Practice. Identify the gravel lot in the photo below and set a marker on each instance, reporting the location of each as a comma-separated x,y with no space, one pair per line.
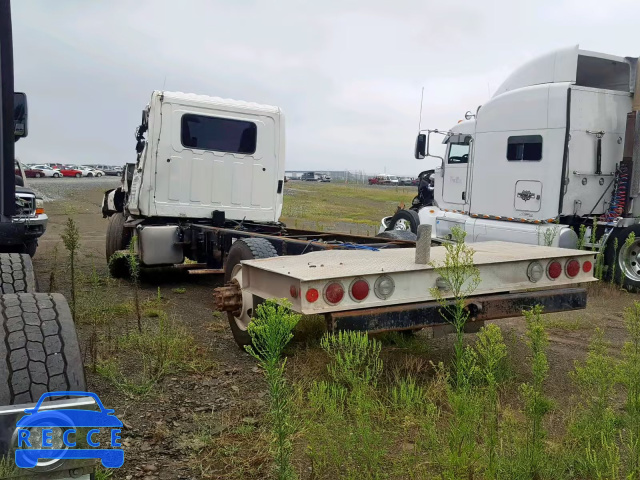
52,189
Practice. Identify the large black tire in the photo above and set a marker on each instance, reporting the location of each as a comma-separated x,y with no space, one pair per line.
39,349
118,238
398,235
245,249
16,272
404,220
625,259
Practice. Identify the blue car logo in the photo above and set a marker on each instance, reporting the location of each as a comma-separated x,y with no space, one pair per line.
56,434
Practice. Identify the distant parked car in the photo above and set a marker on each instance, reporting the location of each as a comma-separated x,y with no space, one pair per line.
71,172
325,178
85,171
48,171
112,171
29,172
384,179
93,172
406,181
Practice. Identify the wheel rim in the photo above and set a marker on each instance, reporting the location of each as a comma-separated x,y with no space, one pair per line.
629,260
402,225
244,319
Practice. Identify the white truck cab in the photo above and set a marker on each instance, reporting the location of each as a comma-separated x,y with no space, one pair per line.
206,153
553,149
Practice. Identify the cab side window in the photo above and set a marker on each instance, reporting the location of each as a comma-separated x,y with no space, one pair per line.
218,134
458,153
524,147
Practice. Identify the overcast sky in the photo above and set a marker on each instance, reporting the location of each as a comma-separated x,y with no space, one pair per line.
347,74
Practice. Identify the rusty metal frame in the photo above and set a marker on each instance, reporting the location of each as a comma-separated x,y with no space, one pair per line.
488,307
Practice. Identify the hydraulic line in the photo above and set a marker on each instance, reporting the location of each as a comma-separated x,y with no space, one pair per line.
618,194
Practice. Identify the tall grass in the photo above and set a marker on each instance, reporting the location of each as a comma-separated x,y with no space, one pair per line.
271,331
594,429
492,353
461,278
629,376
71,239
536,404
344,426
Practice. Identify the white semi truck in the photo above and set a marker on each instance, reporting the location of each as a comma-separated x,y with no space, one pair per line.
207,185
554,152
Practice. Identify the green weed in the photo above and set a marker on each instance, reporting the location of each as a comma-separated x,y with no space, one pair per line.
71,239
461,278
536,404
594,430
271,331
629,375
581,236
492,353
355,358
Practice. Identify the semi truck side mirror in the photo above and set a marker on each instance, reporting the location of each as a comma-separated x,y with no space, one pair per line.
421,146
20,115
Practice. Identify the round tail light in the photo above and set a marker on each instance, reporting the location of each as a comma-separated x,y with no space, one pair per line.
384,287
586,266
572,268
535,270
312,295
554,270
333,293
359,289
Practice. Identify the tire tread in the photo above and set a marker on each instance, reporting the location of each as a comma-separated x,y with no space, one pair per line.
39,349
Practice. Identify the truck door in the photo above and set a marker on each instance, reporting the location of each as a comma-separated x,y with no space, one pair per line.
216,160
454,185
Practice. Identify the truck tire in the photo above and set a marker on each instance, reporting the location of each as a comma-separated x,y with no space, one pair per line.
626,259
404,220
245,249
118,238
17,274
39,349
398,235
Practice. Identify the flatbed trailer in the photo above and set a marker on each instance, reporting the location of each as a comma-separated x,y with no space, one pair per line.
385,289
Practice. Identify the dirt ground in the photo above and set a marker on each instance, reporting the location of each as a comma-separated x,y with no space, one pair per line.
232,392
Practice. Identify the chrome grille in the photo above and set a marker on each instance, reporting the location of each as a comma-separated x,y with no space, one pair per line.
25,205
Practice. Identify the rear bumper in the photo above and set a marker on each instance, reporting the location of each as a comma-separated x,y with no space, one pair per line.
486,307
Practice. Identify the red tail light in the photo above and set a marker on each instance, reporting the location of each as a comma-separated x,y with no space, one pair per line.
572,268
359,290
586,266
554,270
333,293
312,295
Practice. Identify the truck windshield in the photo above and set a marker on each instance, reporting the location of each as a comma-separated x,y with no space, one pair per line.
458,153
